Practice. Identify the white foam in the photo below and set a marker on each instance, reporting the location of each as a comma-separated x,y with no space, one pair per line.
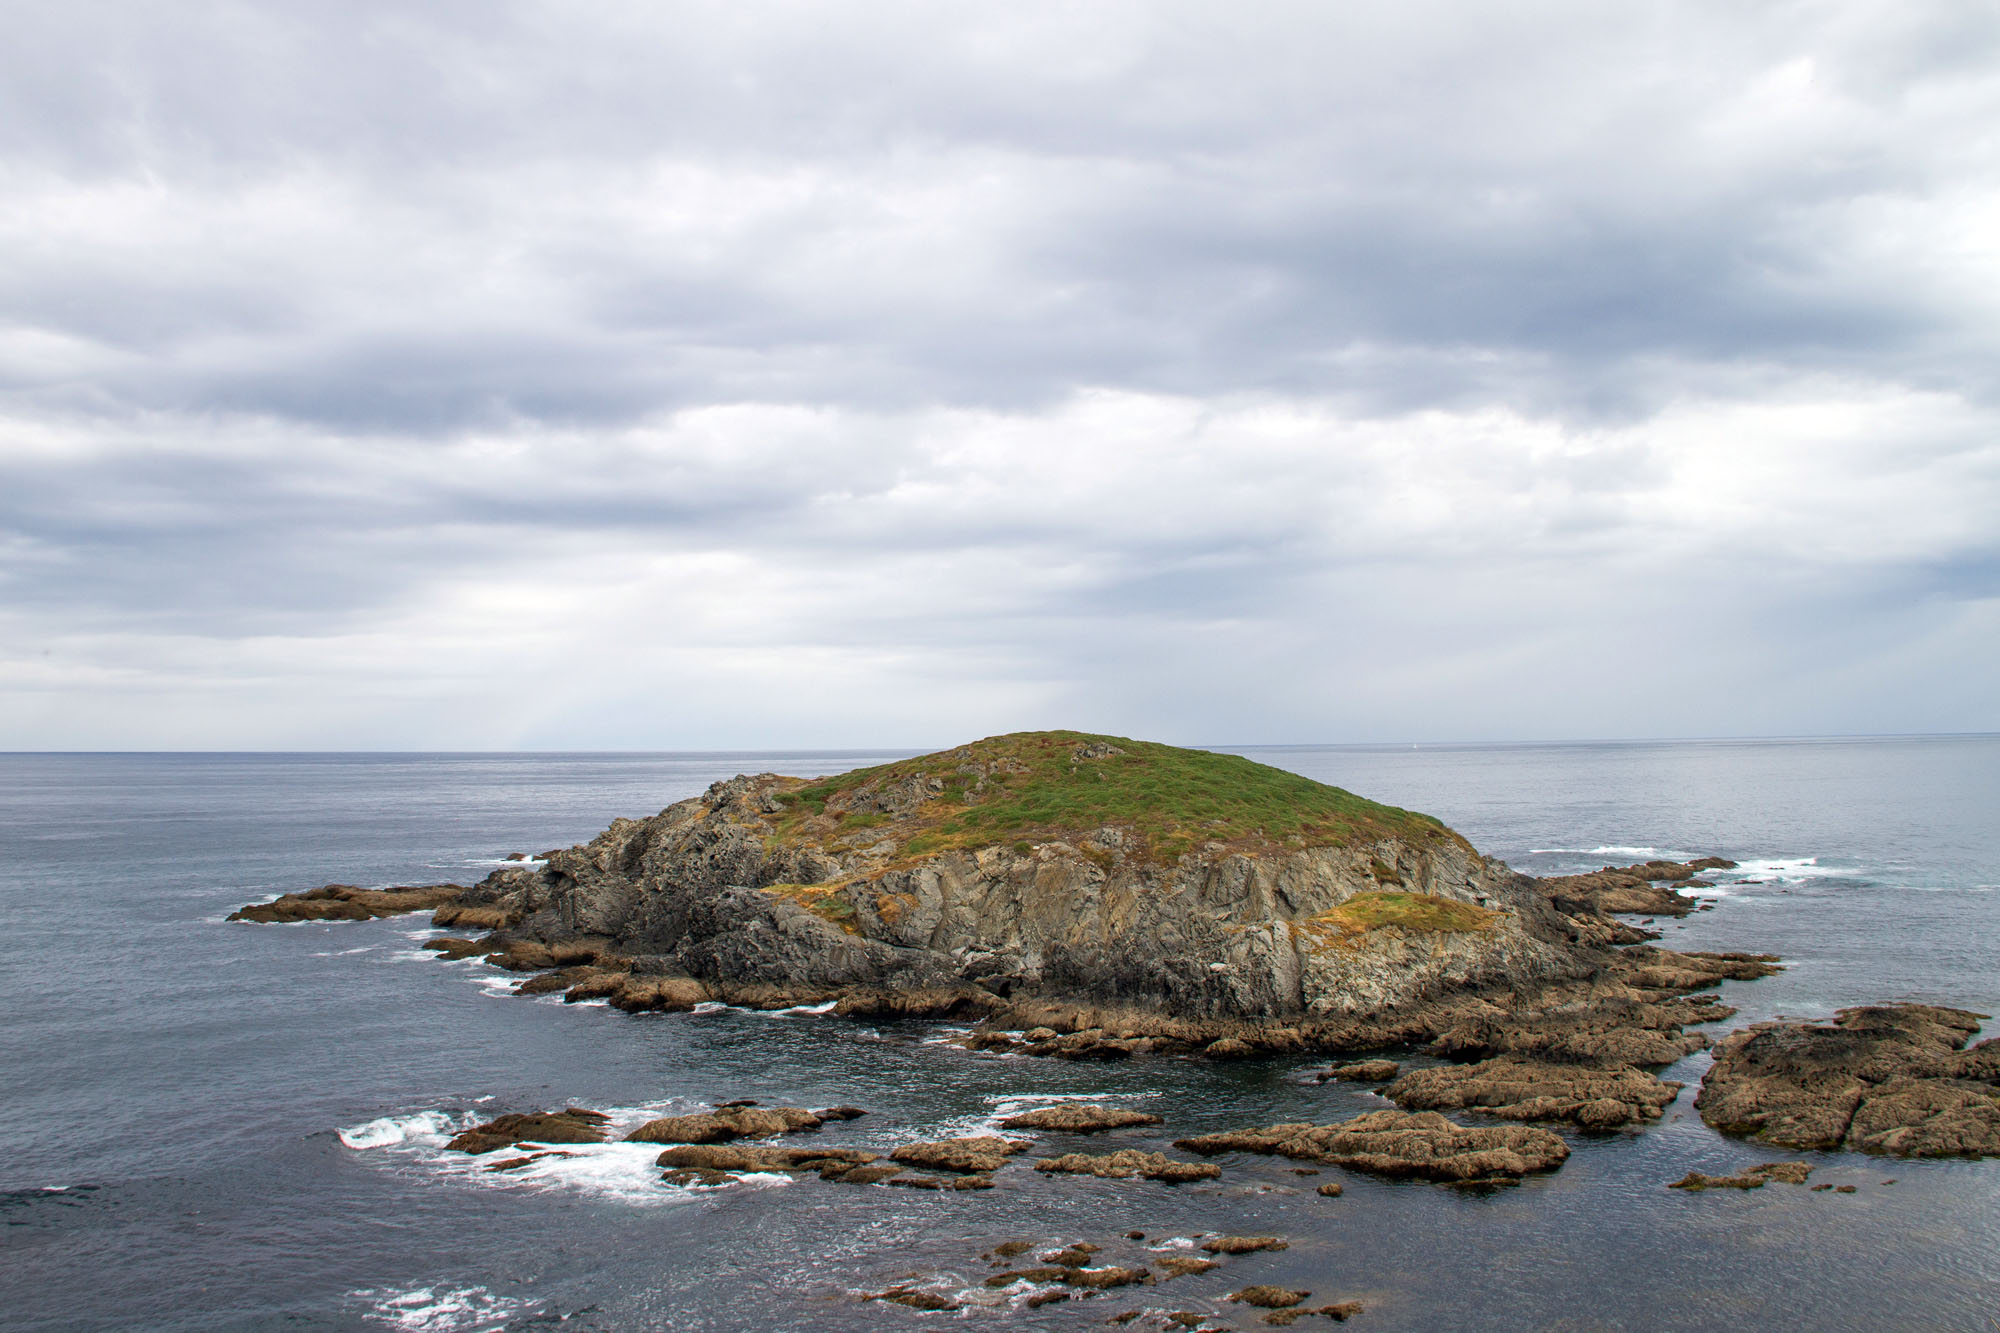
710,1007
432,1127
624,1172
796,1009
1784,870
1596,851
442,1309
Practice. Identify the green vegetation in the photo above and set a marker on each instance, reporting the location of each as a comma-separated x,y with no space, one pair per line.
1027,787
1411,911
822,900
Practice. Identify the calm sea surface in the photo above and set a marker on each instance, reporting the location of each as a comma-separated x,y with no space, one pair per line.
213,1126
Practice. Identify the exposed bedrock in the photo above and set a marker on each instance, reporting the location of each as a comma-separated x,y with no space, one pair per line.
1644,889
345,902
1422,1144
1517,1089
571,1125
1079,1118
1128,1163
1891,1079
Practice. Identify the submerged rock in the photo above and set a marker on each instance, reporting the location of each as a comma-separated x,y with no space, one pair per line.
1755,1178
1339,1312
1421,1144
915,1299
1891,1079
1244,1244
690,1176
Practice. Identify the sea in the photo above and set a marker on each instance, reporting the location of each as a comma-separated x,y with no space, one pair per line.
219,1126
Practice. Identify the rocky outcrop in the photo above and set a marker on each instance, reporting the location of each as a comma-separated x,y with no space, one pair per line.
1644,890
831,1162
1518,1089
571,1125
345,902
1754,1178
1423,1145
1079,1118
1891,1079
979,1154
721,1126
1362,1071
1128,1163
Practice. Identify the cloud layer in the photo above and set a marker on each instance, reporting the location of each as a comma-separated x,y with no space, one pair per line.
508,375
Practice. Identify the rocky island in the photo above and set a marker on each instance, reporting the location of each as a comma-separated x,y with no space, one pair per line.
1095,897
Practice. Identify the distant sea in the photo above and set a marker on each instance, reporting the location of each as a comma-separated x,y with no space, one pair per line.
215,1126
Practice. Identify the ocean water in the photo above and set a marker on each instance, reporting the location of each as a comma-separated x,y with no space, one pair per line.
220,1126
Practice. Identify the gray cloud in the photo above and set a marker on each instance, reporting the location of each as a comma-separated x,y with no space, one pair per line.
1051,363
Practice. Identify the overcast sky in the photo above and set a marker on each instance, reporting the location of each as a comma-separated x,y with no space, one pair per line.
515,375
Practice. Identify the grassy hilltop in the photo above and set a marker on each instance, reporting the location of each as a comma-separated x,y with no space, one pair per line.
1042,786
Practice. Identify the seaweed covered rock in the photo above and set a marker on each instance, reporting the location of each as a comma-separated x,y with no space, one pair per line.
1423,1145
1362,1071
1127,1163
1079,1118
1753,1178
762,1157
976,1154
1518,1089
1891,1079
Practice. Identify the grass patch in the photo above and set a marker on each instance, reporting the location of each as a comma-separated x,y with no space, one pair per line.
1040,786
1411,911
822,900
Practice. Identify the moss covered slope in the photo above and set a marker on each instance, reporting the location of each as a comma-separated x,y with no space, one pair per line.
1039,786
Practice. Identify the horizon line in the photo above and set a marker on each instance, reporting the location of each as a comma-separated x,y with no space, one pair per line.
1798,738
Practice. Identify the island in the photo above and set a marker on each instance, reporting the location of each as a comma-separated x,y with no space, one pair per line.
1080,896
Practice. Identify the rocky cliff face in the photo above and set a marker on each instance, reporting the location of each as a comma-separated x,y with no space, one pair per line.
1046,869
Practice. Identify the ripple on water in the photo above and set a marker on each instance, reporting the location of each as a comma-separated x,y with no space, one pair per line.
442,1309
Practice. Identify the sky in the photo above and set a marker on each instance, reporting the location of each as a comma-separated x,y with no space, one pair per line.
490,375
